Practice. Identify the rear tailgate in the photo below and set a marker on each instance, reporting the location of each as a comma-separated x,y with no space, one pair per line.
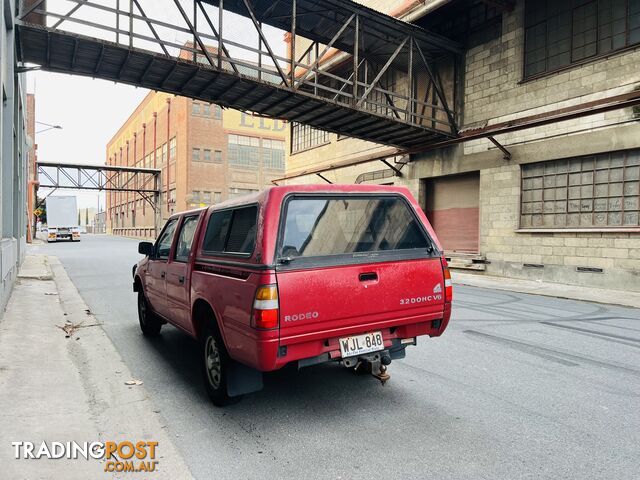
352,263
329,300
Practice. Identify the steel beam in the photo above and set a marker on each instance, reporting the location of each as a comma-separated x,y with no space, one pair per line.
265,41
328,46
381,72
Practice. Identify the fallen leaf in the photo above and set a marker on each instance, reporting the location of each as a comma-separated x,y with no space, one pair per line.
70,328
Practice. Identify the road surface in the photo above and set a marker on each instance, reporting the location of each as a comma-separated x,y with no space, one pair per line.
519,386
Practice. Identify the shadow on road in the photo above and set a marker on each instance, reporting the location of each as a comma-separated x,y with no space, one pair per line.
323,388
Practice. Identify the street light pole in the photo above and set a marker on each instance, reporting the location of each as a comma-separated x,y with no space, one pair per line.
33,184
49,127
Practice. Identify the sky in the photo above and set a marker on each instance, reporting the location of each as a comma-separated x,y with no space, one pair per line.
90,110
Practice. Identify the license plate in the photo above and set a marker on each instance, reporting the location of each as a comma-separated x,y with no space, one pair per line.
359,344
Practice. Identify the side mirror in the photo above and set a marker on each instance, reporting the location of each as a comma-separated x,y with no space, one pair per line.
146,248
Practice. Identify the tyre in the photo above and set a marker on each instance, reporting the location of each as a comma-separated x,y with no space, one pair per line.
215,368
150,324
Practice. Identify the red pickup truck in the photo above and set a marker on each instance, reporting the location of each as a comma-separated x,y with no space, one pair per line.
296,274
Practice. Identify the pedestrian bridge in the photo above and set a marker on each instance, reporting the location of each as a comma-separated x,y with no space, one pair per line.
352,71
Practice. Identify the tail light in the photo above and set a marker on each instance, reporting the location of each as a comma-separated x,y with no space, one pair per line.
448,286
265,307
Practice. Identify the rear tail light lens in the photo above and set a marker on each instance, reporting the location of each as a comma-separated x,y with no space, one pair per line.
265,307
448,286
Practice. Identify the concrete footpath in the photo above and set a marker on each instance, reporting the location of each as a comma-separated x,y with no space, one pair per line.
61,380
573,292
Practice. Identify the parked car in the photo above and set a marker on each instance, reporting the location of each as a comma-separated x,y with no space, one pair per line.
296,274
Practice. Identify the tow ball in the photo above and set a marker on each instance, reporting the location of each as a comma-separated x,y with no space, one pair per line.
380,370
382,375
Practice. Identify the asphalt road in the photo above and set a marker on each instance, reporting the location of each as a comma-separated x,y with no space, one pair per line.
519,386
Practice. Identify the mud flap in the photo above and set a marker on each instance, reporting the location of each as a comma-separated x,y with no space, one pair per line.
242,379
398,353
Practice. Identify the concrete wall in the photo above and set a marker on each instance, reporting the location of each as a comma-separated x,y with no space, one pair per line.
495,93
509,252
13,155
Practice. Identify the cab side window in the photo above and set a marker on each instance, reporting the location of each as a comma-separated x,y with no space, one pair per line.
185,239
163,246
232,231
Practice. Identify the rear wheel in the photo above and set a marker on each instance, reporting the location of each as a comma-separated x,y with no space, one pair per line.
150,324
215,367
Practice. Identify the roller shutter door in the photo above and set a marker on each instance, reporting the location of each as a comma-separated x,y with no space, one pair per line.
453,207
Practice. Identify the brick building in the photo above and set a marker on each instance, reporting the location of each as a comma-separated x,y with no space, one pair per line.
565,207
31,165
206,155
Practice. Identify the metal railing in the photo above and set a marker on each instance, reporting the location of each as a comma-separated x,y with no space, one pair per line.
197,31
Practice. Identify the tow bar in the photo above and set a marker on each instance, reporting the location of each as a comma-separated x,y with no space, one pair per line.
375,363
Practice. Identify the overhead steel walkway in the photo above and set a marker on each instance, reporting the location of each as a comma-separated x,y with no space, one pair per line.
353,71
142,181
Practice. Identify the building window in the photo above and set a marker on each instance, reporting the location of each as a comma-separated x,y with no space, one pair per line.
244,151
206,198
217,197
217,156
217,112
273,154
236,192
559,33
304,137
172,149
600,191
207,155
195,108
164,154
206,109
195,154
195,197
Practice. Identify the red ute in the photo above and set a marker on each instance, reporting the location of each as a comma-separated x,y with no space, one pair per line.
304,274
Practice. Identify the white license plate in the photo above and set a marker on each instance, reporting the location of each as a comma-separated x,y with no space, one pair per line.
359,344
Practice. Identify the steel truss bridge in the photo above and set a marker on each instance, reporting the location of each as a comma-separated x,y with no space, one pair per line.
142,181
353,71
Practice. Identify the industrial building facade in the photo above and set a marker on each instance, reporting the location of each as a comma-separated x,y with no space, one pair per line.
206,155
15,147
560,202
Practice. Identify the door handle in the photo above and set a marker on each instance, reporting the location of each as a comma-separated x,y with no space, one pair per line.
162,275
181,280
368,277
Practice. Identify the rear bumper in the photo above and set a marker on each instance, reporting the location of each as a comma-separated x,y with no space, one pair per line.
272,353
